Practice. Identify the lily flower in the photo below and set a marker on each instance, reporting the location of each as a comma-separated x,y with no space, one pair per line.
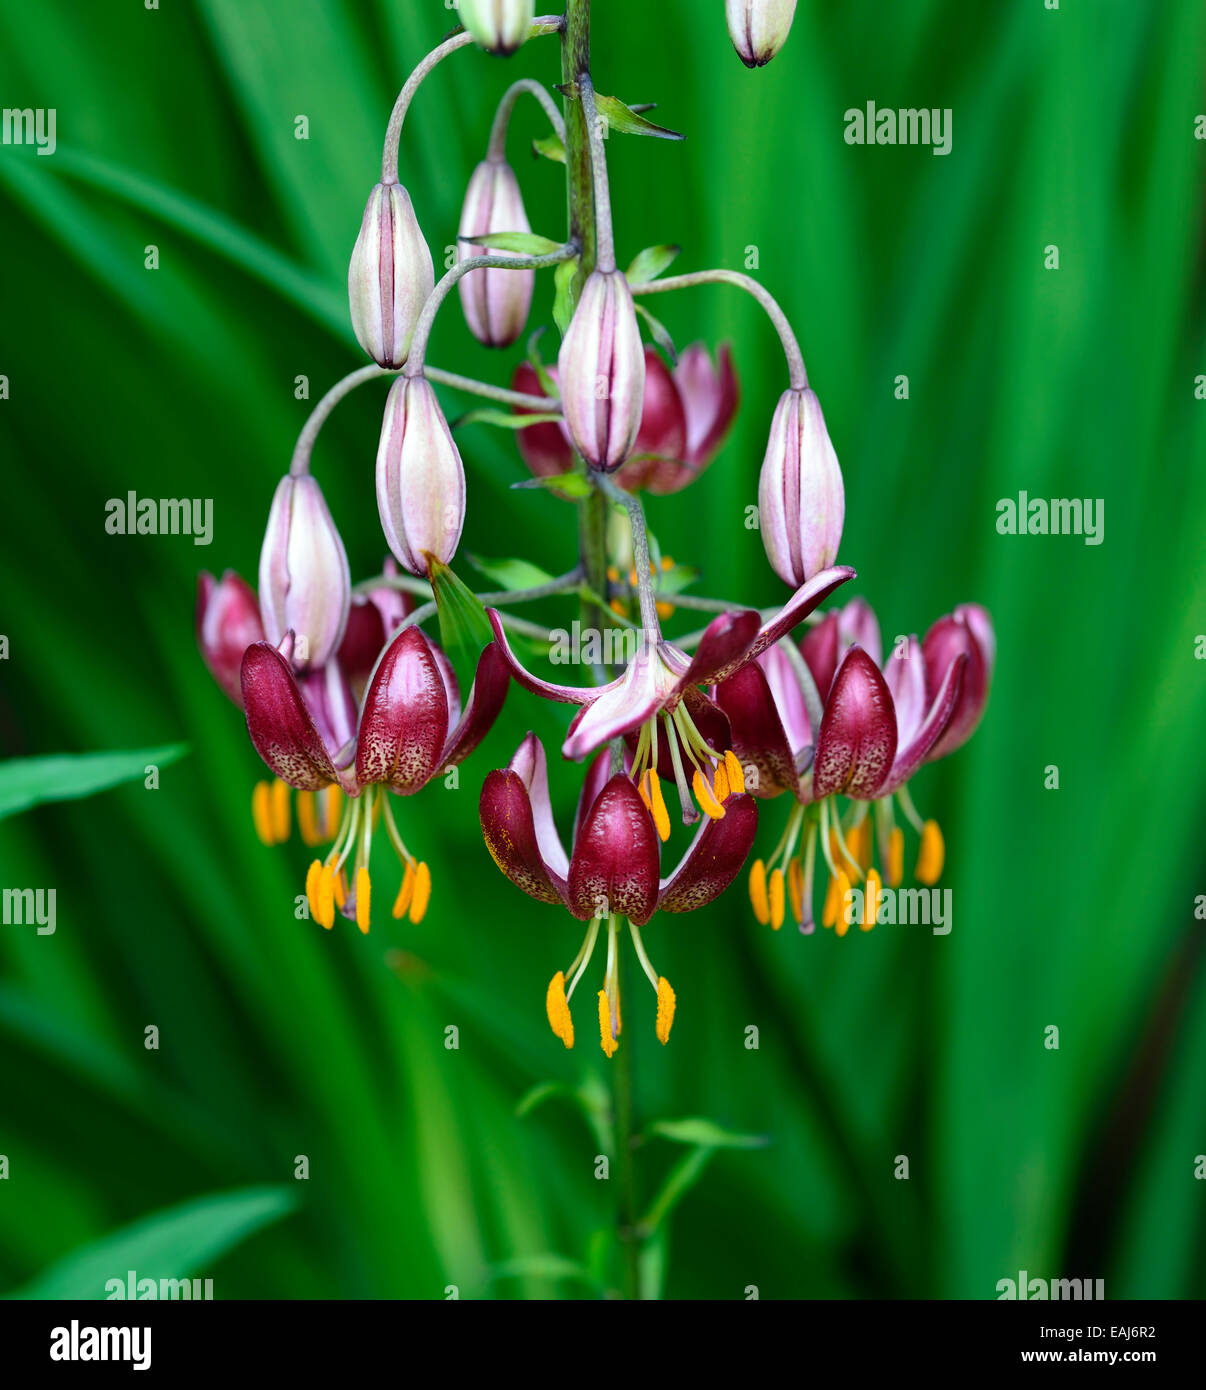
674,729
613,871
877,728
410,728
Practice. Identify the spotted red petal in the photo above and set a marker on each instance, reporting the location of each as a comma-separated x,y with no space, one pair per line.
487,696
404,723
280,726
714,859
510,835
614,867
759,739
856,744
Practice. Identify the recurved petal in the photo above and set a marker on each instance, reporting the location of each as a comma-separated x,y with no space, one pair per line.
404,724
531,765
510,836
486,699
548,690
857,740
905,673
614,867
759,739
622,706
714,859
724,646
910,756
279,723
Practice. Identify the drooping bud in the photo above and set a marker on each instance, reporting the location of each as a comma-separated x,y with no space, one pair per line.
801,499
228,622
390,275
498,26
420,477
602,372
305,584
496,302
759,28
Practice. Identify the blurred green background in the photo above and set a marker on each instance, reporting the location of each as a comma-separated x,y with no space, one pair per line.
1074,908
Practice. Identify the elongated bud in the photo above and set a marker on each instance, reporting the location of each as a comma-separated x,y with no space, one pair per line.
420,477
602,372
228,622
496,302
390,275
759,28
498,26
801,499
305,585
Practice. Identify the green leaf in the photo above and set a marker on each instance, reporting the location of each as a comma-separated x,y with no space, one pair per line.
522,243
629,122
464,628
175,1243
649,264
571,484
546,1266
661,334
511,574
563,302
26,782
550,148
544,1090
505,420
698,1130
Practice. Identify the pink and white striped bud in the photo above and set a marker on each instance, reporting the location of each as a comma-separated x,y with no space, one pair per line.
420,477
759,28
305,584
801,499
498,26
601,368
496,302
390,276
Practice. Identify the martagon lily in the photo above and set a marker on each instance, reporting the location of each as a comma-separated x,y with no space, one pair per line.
673,728
410,728
613,871
877,729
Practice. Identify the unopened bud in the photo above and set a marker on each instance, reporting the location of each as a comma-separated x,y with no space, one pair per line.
228,622
305,585
602,372
801,499
759,28
498,26
420,477
496,302
390,275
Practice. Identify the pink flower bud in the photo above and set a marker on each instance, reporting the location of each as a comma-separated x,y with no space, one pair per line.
228,622
801,500
602,372
420,477
305,585
759,28
390,276
496,302
498,26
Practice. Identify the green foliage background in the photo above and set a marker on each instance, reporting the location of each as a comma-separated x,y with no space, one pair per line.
1072,907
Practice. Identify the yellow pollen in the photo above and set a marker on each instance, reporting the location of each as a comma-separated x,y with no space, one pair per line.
326,896
341,889
665,1010
872,891
422,895
657,805
895,857
558,1010
313,874
859,844
720,784
334,804
643,791
703,794
364,892
776,899
842,926
932,856
307,819
735,773
402,901
830,910
795,889
606,1041
261,812
758,898
280,811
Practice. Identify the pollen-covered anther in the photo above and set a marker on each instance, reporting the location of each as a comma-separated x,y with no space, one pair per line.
872,892
829,912
606,1038
326,896
842,924
261,813
735,773
422,893
704,796
665,1009
280,810
777,899
720,784
932,856
895,857
340,885
307,820
557,1008
795,890
313,876
405,892
650,789
364,889
333,798
759,900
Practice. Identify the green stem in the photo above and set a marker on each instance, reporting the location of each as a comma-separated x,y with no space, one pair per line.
626,1207
545,405
299,465
497,148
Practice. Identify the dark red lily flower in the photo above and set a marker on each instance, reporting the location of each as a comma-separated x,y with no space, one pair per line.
613,871
410,728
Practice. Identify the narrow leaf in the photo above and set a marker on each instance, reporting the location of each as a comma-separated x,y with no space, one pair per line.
550,148
26,782
563,302
650,263
661,334
504,420
521,243
698,1130
629,122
